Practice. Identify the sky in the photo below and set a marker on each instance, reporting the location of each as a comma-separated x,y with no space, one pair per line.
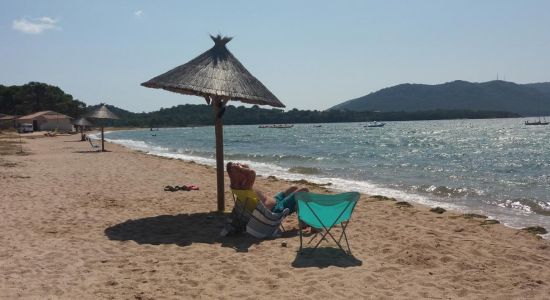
310,54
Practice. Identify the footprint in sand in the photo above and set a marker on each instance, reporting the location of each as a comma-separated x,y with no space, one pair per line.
191,282
283,274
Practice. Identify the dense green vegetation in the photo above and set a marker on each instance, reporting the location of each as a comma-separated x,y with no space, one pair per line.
524,99
34,96
198,115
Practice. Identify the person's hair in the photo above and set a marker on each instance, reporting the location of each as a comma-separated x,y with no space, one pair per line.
228,166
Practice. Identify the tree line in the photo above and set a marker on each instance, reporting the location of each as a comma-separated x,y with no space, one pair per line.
35,96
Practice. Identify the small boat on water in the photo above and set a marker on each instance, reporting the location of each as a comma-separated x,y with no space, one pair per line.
375,124
277,126
539,122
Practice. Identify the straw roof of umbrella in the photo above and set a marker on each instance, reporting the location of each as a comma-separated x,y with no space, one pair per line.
219,77
216,72
82,122
103,113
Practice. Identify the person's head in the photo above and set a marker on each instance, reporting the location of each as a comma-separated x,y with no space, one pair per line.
240,175
235,166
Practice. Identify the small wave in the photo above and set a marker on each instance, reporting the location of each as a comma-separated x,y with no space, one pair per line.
445,191
269,157
528,205
305,170
138,145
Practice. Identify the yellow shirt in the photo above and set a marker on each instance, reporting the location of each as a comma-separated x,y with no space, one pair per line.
247,197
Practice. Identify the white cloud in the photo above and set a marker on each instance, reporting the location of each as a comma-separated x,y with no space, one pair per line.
34,26
47,20
138,14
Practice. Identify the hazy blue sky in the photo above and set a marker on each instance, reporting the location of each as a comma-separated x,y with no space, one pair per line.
310,54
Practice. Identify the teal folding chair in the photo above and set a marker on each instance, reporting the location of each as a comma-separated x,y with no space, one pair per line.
325,212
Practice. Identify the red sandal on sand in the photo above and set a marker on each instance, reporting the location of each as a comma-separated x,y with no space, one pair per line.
192,188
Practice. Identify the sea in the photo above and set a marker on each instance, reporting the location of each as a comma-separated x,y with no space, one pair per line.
497,167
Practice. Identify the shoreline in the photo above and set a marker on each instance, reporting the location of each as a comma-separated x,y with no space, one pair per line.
98,225
329,186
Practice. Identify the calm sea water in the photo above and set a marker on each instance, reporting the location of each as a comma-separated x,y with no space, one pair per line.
500,168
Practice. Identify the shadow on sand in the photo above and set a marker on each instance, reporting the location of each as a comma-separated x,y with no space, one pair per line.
325,257
182,230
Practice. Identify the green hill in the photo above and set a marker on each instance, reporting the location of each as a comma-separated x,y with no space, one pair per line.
543,87
527,100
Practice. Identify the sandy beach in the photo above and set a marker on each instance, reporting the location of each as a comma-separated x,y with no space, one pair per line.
76,224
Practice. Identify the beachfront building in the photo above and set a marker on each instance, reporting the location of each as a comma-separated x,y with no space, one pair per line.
7,121
47,121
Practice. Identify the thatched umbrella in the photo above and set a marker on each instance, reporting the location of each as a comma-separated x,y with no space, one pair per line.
82,123
219,77
103,113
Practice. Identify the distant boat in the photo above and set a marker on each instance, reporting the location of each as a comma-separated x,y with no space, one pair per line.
277,126
375,124
539,122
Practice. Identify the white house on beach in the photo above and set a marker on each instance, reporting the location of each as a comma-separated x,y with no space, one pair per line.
47,121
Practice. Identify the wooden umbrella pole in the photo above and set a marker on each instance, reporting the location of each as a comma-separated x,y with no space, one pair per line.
218,105
102,140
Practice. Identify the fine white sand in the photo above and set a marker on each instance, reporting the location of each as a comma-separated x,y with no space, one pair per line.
81,225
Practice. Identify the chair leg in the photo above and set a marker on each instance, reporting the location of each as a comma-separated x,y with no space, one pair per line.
319,242
344,235
313,237
301,238
327,232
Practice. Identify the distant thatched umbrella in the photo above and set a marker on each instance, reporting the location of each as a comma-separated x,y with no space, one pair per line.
81,123
219,77
103,113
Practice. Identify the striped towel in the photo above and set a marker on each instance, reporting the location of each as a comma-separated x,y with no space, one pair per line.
264,223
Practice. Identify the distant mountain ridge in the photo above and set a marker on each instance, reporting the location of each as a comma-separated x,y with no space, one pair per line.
543,87
526,99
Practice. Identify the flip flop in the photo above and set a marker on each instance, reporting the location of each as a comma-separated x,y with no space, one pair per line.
193,188
169,188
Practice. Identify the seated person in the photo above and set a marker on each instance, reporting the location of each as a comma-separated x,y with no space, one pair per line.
242,179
